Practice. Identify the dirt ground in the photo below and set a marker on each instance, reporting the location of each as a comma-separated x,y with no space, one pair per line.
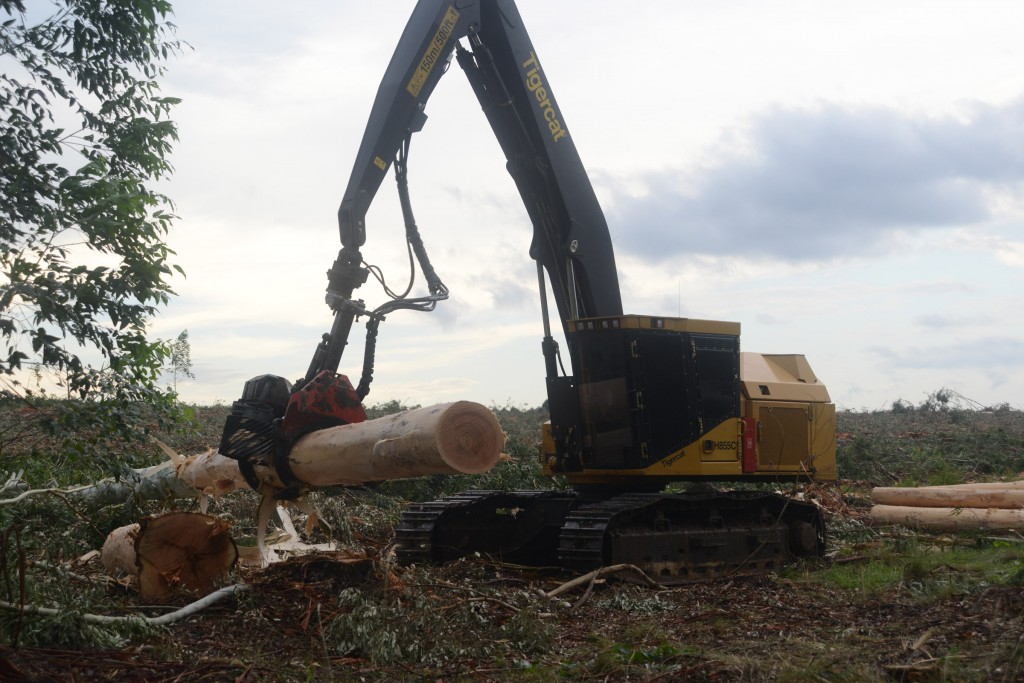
928,625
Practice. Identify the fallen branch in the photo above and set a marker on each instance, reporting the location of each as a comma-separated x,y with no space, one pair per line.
162,620
601,573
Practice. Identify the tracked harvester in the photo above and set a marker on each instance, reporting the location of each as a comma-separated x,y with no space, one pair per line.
647,400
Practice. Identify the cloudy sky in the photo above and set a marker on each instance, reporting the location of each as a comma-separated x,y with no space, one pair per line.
846,180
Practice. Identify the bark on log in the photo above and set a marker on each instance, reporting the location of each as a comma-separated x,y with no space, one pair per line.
947,519
950,497
171,551
118,553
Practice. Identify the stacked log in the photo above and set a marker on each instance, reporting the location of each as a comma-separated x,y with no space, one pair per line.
992,506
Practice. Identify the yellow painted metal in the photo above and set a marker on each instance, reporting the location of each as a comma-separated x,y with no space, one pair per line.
780,377
647,322
716,454
794,417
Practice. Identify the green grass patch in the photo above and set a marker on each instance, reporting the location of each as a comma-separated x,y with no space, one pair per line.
926,571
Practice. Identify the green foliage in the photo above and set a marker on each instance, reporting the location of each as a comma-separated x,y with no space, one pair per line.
65,630
945,440
387,408
640,651
181,359
635,600
863,578
71,441
437,624
84,131
926,572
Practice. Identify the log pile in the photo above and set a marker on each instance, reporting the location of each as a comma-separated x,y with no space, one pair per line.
993,506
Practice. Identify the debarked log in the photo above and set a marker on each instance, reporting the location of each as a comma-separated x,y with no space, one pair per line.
947,518
171,551
950,497
451,438
989,485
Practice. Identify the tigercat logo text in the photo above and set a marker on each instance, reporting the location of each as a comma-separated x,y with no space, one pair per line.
668,462
536,85
435,51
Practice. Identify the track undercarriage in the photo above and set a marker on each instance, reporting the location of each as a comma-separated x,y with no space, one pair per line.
673,538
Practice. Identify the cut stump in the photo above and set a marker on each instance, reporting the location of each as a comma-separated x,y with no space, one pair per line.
177,550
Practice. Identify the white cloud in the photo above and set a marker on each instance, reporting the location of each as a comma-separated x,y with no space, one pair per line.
836,176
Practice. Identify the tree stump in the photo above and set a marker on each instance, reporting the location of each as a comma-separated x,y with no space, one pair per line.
177,550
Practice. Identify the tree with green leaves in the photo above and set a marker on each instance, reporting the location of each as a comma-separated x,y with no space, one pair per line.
181,359
84,136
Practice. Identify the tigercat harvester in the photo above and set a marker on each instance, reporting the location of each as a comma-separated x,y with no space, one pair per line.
647,400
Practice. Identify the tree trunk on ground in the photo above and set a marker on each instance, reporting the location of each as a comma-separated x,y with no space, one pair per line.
950,497
150,483
167,552
451,438
947,518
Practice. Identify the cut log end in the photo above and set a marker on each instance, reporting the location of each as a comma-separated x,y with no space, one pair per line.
469,437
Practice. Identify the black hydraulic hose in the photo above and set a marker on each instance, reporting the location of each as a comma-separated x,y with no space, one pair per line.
368,357
438,291
412,232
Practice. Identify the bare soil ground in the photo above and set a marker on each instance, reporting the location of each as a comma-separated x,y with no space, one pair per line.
885,604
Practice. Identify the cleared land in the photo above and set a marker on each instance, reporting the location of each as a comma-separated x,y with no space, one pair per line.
887,604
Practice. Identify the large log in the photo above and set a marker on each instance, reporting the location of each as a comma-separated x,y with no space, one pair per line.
947,519
950,497
451,438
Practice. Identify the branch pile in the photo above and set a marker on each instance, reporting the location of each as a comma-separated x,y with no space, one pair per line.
991,506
